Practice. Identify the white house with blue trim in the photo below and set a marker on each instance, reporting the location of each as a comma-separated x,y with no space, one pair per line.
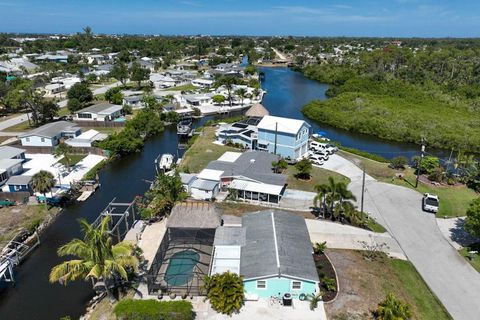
272,250
285,137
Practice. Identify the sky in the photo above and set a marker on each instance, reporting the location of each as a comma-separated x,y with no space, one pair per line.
379,18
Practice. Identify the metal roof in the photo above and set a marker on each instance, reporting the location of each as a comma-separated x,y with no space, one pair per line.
256,187
19,180
207,185
52,129
277,243
229,236
197,215
7,152
254,165
101,108
281,124
8,163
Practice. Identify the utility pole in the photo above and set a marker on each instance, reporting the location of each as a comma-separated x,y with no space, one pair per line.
363,189
419,165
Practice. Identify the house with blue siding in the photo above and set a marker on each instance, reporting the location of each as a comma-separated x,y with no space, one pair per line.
20,183
272,250
50,134
285,137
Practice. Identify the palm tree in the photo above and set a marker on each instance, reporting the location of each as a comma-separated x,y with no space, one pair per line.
43,182
66,151
97,258
167,191
321,197
314,300
241,94
393,309
334,199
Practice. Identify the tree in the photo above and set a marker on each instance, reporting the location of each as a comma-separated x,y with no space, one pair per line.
250,70
393,309
280,165
334,199
167,191
146,123
241,94
81,92
24,96
138,73
91,78
120,72
114,95
66,151
43,182
96,257
218,99
74,105
228,82
398,162
304,167
426,165
225,292
47,110
472,222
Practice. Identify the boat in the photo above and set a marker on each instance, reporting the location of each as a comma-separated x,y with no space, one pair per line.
184,127
164,163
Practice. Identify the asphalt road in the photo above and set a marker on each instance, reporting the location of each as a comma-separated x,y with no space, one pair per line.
398,209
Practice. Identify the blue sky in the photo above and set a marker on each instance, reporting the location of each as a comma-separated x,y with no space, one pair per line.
397,18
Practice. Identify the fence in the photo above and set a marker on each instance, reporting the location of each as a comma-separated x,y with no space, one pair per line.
51,150
19,197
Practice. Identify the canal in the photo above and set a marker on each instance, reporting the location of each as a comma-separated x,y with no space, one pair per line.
33,297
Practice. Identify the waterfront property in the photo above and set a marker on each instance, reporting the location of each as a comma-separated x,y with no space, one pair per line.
86,139
8,152
99,112
20,183
184,255
238,133
9,168
283,136
247,176
50,134
272,250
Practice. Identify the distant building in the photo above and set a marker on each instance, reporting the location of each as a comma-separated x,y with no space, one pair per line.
50,134
54,88
86,139
20,183
99,112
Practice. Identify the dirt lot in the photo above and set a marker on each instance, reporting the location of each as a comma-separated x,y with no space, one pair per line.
13,219
363,284
239,209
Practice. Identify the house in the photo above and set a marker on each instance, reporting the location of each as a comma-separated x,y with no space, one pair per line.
238,133
7,152
20,183
285,137
135,101
187,180
10,167
99,112
248,174
202,83
54,88
198,99
50,134
86,139
272,251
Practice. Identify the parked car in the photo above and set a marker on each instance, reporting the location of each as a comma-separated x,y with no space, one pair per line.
430,203
328,148
320,154
316,160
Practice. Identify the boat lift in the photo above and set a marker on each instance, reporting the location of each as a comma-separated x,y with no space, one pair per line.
13,254
120,214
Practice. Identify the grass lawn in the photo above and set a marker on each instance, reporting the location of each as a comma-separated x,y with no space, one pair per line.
22,126
4,138
475,261
74,159
454,200
185,87
203,151
104,309
318,176
365,283
63,112
15,218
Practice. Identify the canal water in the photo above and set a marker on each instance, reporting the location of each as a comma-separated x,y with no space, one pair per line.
33,297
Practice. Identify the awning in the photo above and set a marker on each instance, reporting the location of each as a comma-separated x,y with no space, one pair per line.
256,187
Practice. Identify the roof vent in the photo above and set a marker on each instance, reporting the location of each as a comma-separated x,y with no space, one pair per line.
252,161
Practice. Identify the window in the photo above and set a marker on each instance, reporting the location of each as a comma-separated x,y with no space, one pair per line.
261,284
296,285
27,139
43,139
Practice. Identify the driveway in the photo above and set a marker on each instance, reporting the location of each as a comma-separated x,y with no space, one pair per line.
297,200
398,209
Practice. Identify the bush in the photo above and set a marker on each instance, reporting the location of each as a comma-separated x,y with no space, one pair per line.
225,292
130,309
436,175
428,165
398,162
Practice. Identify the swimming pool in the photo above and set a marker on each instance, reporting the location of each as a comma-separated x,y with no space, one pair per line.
180,267
121,119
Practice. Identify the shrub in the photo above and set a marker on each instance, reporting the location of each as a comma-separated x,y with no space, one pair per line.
398,162
472,222
427,165
304,167
130,309
436,175
225,292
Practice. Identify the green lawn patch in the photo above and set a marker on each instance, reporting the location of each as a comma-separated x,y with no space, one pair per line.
74,159
454,200
202,151
22,126
185,87
317,176
473,259
427,306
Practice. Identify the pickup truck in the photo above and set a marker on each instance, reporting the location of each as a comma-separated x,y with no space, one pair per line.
430,203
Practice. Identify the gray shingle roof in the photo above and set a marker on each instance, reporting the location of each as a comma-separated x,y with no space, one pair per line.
52,129
7,152
19,180
104,107
260,169
198,215
294,248
229,236
207,185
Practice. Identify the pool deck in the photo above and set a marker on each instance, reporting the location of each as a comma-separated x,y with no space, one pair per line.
151,238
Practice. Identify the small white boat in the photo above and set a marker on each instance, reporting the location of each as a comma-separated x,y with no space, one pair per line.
164,162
